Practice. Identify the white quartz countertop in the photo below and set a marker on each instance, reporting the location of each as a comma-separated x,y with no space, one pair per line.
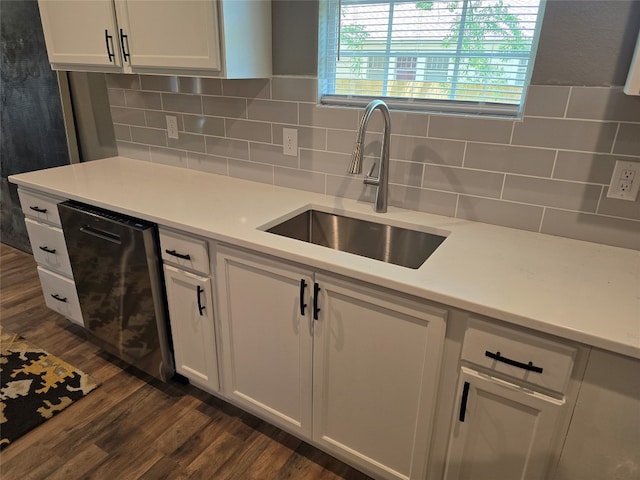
577,290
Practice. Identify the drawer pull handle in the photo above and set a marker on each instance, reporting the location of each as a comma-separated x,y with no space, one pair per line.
303,305
179,255
55,295
316,309
48,250
463,402
38,209
125,54
526,366
200,306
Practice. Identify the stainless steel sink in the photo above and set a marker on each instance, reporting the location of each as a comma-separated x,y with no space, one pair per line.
397,245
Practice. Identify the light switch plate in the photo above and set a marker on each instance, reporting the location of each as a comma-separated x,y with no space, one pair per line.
625,181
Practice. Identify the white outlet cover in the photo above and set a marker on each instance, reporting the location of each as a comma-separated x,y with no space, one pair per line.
172,126
290,141
630,190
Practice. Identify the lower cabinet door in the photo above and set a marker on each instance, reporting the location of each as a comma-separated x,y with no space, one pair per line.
192,327
500,431
266,337
376,363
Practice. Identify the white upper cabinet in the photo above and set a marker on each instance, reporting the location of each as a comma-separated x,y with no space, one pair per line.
81,33
223,38
173,34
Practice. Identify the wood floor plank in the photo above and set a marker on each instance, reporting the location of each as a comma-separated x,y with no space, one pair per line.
134,426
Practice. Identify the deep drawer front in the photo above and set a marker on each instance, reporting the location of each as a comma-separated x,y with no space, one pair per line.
519,355
60,295
41,207
49,248
184,251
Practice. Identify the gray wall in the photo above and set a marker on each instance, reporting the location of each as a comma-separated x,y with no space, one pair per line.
583,42
33,134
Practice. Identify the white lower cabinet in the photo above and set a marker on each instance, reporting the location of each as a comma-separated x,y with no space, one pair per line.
267,341
192,329
352,368
376,365
500,430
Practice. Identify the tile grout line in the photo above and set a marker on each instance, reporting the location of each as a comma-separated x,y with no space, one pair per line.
615,138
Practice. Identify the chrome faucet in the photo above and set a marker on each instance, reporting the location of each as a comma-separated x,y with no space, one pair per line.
382,180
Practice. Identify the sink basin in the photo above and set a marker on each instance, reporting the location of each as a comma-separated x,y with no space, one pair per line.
397,245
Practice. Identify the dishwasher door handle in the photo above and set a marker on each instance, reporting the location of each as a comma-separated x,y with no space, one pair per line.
103,234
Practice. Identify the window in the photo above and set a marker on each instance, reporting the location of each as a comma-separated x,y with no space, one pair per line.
406,68
468,56
436,69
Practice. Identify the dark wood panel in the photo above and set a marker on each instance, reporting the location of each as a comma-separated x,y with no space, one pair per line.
135,426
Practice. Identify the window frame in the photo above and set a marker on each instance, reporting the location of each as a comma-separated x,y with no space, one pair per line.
329,22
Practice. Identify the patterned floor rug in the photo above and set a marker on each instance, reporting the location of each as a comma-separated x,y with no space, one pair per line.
34,386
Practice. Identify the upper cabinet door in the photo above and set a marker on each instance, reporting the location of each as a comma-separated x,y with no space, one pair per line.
81,32
170,34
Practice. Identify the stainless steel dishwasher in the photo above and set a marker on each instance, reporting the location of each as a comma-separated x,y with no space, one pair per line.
116,268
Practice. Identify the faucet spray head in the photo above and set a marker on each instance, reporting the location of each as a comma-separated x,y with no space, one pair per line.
356,159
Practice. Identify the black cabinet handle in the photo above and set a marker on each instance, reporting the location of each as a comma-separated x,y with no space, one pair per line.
179,255
316,290
124,37
109,41
38,209
200,306
303,305
55,295
463,402
526,366
48,250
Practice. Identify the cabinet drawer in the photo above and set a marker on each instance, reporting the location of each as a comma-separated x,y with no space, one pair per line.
60,295
184,251
519,355
48,245
42,207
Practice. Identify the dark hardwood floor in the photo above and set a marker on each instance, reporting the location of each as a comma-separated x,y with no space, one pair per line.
134,426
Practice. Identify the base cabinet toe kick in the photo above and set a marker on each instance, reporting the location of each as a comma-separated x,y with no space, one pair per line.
396,386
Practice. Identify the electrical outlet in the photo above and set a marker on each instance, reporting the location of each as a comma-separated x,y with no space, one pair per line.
625,181
290,141
172,126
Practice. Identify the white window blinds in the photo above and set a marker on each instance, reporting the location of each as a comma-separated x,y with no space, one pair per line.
470,56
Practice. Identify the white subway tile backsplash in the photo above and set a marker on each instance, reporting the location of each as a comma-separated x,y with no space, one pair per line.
544,173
